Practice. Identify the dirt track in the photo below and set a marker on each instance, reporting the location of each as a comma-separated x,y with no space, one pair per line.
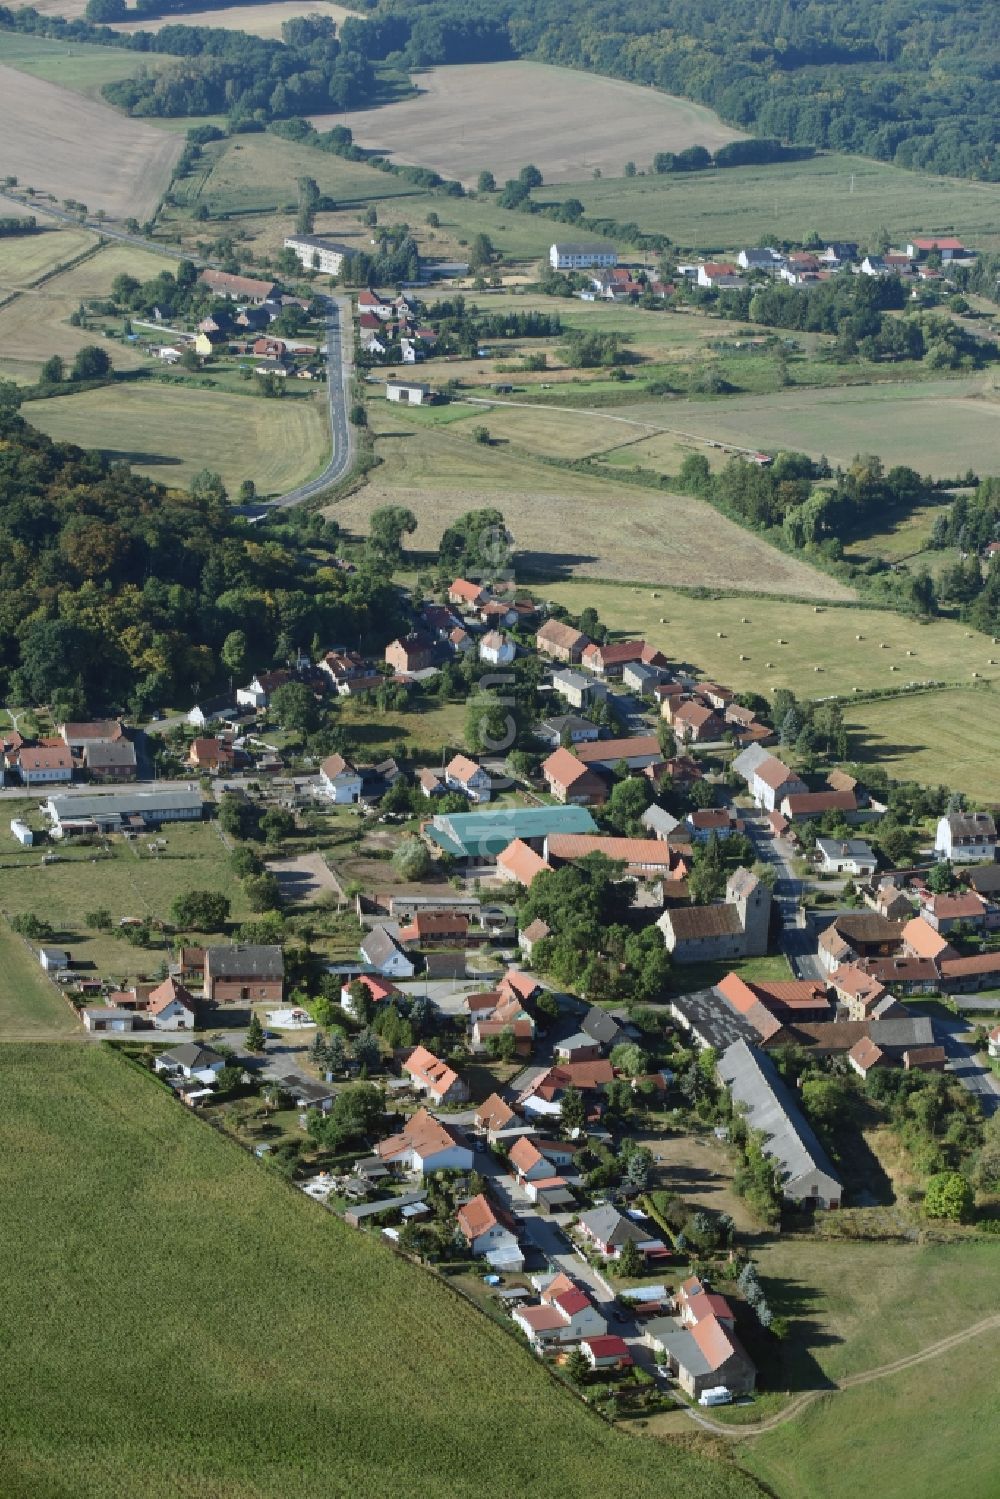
74,147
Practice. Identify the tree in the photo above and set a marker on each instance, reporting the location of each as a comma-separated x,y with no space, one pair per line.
639,1168
91,363
263,892
628,801
481,252
577,1367
99,920
941,879
411,860
629,1058
277,824
630,1260
486,183
366,1051
386,529
234,652
295,707
574,1114
255,1034
53,371
948,1195
200,910
530,177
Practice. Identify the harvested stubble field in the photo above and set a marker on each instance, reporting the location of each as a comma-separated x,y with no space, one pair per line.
106,1168
709,635
264,20
78,148
940,738
503,114
564,524
939,427
170,432
26,259
846,197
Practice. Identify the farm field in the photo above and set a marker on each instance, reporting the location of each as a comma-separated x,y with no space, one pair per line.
107,1168
688,630
501,115
845,197
170,432
79,148
259,20
93,278
941,738
939,427
253,172
563,523
31,1008
946,1405
82,67
132,882
26,259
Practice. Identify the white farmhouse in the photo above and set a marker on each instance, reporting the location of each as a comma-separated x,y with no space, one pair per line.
966,838
339,781
580,257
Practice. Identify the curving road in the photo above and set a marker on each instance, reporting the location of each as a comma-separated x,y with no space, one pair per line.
339,358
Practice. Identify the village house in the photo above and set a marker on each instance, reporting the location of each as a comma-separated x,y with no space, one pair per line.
566,729
693,722
966,838
216,756
171,1007
257,693
237,288
859,994
947,246
466,594
497,649
382,951
803,805
859,934
535,932
518,863
718,274
339,781
440,929
543,1095
568,780
704,821
491,1232
560,641
494,1117
425,1145
244,972
378,990
564,1315
963,908
578,690
769,781
410,654
465,775
609,1231
701,1348
637,753
190,1061
846,856
428,1074
609,660
737,928
44,765
409,393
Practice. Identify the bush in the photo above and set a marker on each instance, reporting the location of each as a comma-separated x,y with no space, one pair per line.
948,1196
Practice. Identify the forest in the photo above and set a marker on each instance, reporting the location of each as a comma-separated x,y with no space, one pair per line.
115,590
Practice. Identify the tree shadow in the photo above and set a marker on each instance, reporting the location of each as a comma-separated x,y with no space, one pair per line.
136,455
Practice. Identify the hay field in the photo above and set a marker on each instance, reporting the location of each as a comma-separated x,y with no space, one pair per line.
170,432
77,148
82,67
501,115
564,524
259,171
938,427
691,629
108,1170
259,20
93,278
27,258
845,197
940,738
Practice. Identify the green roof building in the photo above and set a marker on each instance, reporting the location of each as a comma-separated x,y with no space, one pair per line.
480,836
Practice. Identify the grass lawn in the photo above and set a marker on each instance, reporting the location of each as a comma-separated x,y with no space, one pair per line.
24,259
563,523
938,427
430,728
170,432
940,738
849,197
687,977
31,1008
688,630
107,1169
132,882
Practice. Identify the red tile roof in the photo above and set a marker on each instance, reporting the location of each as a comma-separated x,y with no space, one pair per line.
520,861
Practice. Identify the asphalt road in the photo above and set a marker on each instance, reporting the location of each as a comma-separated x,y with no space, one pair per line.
963,1064
339,357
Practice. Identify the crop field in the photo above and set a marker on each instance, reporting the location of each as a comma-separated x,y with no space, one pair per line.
501,115
107,1169
93,277
938,427
845,197
132,882
564,523
170,432
26,259
31,1008
75,147
259,20
940,738
710,636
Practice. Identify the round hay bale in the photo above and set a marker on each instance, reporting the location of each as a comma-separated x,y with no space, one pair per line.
769,665
744,658
662,620
893,668
909,653
745,621
719,635
656,595
817,668
782,642
817,609
859,637
883,646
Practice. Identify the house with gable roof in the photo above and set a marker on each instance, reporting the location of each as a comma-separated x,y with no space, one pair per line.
171,1007
428,1074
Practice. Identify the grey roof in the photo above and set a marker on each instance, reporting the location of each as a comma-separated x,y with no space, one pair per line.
612,1227
601,1026
101,752
913,1030
580,247
304,1089
714,1021
746,763
191,1055
659,821
972,825
572,679
379,945
112,804
845,848
317,242
579,1038
679,1343
245,961
985,878
554,728
753,1080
